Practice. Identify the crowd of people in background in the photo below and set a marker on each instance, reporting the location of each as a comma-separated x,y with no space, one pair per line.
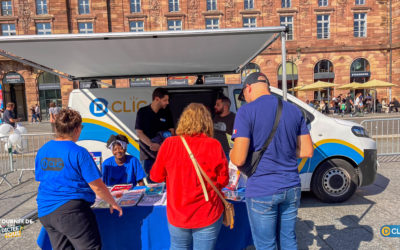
354,105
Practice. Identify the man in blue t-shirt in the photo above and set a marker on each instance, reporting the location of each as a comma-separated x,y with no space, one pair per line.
273,191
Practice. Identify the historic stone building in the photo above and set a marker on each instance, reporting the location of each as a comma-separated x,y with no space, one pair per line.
337,41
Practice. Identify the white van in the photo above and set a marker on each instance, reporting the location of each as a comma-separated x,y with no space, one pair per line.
344,157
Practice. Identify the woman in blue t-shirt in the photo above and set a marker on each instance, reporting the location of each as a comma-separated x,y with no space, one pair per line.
69,182
121,168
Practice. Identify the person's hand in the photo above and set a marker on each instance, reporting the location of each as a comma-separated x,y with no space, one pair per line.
116,207
155,146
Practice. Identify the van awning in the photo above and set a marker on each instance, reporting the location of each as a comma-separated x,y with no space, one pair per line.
142,54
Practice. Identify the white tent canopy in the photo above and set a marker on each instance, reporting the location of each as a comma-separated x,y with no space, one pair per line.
123,55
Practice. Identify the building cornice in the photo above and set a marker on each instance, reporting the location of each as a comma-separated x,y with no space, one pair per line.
324,10
333,49
212,13
8,18
136,15
86,17
175,14
43,18
361,9
287,10
250,12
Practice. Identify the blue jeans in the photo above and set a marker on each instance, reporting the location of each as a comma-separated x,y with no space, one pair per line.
273,219
201,238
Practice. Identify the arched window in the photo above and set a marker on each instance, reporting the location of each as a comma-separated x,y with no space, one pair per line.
360,71
49,91
248,69
291,76
323,71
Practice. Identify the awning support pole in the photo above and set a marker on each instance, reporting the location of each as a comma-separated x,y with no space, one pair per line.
284,82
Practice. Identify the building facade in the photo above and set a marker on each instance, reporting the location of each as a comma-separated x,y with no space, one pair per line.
337,41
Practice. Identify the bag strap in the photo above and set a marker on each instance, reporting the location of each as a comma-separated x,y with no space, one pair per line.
278,115
198,168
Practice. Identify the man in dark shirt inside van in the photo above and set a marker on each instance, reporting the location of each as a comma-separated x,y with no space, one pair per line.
152,123
223,122
9,115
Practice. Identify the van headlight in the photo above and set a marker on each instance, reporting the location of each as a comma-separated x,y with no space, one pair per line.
359,131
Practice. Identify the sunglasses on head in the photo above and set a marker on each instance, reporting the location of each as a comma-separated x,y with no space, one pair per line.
241,95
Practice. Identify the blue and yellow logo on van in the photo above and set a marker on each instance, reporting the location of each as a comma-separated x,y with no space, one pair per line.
98,107
390,231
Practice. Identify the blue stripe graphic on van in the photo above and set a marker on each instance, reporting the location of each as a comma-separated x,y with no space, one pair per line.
96,132
327,150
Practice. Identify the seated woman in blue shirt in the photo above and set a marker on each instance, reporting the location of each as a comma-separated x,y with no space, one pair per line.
121,168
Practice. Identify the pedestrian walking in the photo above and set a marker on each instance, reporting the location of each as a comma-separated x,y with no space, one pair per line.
53,112
37,111
33,114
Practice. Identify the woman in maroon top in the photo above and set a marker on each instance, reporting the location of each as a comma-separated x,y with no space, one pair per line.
190,217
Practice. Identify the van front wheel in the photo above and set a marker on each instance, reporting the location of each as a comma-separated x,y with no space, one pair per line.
334,181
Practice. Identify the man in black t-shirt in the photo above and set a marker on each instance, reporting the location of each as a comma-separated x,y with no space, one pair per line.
152,122
9,115
223,122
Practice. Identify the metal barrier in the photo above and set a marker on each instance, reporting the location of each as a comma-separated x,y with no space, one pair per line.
386,133
21,157
6,161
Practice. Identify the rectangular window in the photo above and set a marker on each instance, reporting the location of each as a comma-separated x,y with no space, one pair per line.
84,7
288,21
360,2
41,7
360,25
43,28
248,4
173,5
174,25
249,22
85,28
323,24
136,26
6,8
135,6
8,30
286,3
211,5
322,3
212,23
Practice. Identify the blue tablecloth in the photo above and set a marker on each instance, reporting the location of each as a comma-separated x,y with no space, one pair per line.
147,228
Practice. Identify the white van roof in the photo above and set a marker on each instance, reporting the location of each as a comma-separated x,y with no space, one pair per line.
141,54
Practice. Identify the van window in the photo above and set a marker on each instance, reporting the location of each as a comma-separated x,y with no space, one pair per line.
309,117
180,98
236,93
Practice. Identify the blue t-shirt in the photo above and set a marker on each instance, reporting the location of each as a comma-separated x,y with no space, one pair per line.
277,170
129,173
64,170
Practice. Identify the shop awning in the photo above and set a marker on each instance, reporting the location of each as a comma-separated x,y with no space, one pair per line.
124,55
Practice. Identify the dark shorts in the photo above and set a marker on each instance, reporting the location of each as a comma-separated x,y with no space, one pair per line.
72,226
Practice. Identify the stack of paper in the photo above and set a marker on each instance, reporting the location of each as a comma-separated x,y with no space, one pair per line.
153,200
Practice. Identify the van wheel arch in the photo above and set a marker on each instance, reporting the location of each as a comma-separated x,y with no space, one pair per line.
335,179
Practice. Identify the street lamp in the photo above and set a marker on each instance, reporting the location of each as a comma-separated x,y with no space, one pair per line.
292,60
